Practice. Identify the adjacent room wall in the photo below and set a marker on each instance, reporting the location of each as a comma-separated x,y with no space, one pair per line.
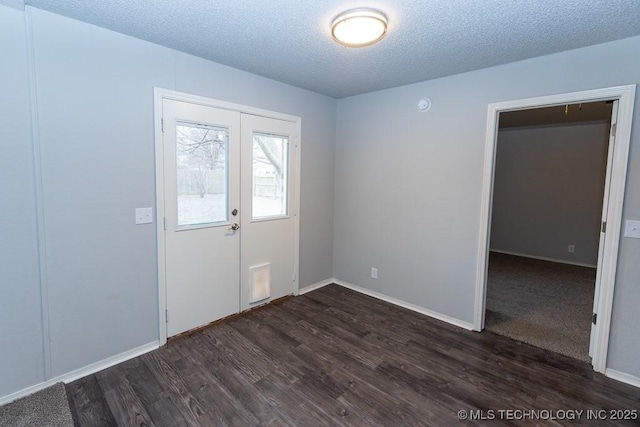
95,122
547,191
408,184
21,350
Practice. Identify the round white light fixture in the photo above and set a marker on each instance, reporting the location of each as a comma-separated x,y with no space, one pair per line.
359,27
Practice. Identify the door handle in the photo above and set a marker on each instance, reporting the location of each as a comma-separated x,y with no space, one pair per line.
234,227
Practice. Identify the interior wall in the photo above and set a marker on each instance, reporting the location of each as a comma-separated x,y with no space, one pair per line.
548,189
96,138
408,184
21,350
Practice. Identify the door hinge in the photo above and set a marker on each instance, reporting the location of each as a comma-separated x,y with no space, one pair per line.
165,223
594,318
166,316
614,127
162,125
603,229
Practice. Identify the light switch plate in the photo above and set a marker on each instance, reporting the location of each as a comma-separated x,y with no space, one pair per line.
632,229
144,216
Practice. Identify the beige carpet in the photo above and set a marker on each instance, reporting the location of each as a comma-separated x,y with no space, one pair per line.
542,303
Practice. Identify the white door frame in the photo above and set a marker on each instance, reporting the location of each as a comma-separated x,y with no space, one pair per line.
625,95
159,95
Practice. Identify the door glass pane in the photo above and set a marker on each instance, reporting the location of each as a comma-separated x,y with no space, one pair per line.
270,170
202,165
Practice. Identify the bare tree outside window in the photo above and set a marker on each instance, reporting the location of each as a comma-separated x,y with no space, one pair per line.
270,156
202,173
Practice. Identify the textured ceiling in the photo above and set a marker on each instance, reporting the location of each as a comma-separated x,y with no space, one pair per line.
290,41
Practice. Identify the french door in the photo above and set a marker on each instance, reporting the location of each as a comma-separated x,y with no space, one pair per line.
268,168
229,212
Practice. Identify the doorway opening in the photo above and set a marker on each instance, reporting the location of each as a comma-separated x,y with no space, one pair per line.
622,100
549,182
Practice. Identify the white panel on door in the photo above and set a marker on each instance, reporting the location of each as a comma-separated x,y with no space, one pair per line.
260,282
269,173
202,187
605,210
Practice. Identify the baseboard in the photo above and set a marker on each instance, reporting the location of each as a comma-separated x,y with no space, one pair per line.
622,377
403,304
541,258
82,372
316,286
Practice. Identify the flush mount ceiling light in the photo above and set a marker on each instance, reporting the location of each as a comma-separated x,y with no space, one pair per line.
359,27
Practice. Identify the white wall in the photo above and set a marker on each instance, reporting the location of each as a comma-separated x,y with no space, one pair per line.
408,184
95,116
547,191
21,350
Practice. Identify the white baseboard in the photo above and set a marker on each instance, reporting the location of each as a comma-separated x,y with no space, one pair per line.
316,286
400,303
622,377
541,258
82,372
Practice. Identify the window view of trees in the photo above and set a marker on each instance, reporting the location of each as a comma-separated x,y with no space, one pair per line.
270,155
202,158
202,174
202,163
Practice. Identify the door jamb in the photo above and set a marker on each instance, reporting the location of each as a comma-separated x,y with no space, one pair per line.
159,95
626,96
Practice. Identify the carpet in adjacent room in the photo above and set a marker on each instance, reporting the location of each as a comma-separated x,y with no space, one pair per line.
48,407
542,303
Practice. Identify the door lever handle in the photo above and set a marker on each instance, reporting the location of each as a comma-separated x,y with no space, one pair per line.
234,227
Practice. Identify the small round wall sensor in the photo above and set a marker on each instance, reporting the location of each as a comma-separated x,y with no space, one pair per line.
424,105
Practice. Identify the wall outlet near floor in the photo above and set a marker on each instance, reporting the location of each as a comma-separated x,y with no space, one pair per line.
571,249
374,273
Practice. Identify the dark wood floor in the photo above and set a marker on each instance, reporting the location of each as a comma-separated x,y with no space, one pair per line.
336,357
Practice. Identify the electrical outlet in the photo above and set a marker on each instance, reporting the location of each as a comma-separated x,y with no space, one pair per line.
374,273
632,229
571,249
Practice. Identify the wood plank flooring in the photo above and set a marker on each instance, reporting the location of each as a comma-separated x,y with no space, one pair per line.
334,357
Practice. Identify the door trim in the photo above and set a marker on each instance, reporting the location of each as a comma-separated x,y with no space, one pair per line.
626,96
161,94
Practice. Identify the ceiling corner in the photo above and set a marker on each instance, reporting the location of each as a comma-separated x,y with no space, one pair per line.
16,4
